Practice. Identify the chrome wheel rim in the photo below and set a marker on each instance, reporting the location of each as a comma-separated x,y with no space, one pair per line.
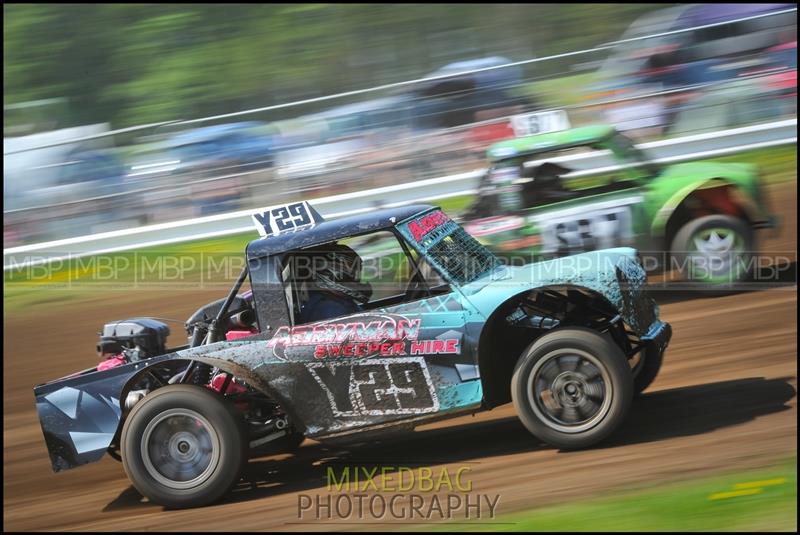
716,253
717,241
180,448
570,390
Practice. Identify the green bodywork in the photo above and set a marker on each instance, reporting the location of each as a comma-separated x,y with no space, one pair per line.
631,193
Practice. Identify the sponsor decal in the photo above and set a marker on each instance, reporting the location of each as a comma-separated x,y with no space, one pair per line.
376,387
493,225
504,175
502,152
434,347
425,224
385,336
520,243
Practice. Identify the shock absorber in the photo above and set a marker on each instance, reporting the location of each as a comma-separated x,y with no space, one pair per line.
198,373
198,334
202,374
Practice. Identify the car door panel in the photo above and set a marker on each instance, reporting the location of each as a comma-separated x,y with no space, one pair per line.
387,365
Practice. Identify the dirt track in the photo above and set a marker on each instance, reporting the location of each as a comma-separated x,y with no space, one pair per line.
725,399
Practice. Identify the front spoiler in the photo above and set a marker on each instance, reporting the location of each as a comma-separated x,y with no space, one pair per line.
80,414
658,336
770,222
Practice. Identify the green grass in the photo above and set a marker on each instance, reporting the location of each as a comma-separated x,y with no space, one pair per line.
81,278
454,205
560,92
685,506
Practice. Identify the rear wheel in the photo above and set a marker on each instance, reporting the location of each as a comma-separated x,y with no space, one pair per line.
572,388
183,446
714,249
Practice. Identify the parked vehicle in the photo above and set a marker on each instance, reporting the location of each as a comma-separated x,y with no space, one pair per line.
198,169
729,40
736,103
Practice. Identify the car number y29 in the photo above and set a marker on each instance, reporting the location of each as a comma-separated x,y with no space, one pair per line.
376,387
284,218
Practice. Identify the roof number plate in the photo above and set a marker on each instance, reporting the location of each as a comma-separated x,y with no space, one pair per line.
539,122
286,218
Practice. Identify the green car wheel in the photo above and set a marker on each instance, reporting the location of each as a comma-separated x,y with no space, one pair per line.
715,249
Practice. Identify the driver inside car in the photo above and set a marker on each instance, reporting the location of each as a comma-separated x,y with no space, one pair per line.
334,288
544,184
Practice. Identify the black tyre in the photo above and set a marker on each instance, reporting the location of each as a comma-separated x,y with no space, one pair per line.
572,387
646,368
715,249
183,446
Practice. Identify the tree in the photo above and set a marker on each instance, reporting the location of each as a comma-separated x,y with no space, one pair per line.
138,63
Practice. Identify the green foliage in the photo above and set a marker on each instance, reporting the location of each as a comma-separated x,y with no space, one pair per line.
684,506
137,63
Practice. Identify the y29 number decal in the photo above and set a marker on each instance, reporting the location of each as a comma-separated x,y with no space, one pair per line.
284,218
377,387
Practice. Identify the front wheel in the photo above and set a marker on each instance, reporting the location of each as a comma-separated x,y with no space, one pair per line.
183,446
646,368
715,249
572,388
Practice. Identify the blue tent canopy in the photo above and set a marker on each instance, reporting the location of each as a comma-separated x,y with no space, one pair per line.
506,76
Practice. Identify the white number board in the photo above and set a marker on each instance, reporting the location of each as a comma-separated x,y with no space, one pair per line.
289,217
539,122
589,227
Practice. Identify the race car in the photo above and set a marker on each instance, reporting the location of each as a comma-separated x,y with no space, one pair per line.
589,188
437,327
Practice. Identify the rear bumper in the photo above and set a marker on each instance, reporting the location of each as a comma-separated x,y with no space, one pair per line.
769,222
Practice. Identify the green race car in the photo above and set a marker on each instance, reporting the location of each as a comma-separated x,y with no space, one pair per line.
591,188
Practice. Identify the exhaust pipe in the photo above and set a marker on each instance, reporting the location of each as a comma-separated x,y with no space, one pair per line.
274,430
134,397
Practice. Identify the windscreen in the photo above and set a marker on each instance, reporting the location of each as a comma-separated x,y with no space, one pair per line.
449,247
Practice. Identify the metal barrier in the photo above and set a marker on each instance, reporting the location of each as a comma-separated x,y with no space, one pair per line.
670,150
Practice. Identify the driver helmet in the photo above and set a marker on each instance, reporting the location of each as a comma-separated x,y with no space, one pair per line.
549,173
338,269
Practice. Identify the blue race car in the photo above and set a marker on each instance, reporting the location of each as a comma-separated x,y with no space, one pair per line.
431,325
